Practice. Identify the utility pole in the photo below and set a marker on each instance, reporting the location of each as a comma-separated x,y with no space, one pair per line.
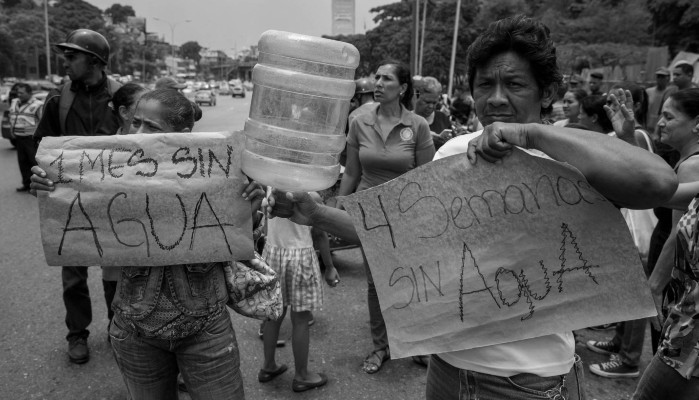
172,40
48,44
416,37
422,37
453,48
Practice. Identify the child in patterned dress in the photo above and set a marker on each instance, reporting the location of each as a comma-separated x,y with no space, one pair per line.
289,251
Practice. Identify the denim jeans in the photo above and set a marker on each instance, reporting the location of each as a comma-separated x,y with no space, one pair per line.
76,298
376,322
629,338
660,381
446,382
209,362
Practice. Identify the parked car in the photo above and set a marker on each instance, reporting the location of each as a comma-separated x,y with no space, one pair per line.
237,90
4,93
205,96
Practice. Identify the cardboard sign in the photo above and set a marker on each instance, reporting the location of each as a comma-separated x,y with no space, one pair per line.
467,256
144,200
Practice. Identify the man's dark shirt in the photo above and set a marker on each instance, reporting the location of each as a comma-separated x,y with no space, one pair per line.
90,115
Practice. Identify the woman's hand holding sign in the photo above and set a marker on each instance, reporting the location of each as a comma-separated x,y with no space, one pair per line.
497,141
40,181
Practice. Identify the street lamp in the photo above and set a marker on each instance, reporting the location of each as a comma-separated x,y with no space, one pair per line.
172,40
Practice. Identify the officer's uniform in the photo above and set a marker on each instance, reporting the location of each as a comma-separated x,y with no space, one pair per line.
23,121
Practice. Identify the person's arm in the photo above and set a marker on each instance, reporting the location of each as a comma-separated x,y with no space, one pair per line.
683,196
322,244
424,144
352,174
660,277
49,124
628,176
254,192
307,212
688,189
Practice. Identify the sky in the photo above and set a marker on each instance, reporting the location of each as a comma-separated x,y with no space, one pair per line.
229,24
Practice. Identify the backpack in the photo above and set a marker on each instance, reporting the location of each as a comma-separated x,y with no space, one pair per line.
68,96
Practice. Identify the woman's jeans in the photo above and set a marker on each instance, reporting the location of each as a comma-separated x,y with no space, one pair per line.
209,362
446,382
660,381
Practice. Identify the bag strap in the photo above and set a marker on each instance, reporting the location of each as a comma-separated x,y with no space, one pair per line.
649,143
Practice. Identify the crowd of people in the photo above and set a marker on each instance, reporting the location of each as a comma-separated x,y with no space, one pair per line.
623,138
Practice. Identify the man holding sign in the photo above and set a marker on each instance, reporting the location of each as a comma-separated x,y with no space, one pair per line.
81,107
516,262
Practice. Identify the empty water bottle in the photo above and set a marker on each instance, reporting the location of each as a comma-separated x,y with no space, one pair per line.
301,97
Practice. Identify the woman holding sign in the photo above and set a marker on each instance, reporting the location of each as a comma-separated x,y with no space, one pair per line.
173,319
514,78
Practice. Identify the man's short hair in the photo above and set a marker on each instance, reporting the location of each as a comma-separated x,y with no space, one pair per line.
686,67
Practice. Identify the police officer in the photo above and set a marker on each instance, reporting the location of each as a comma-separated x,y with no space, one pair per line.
82,107
363,95
25,113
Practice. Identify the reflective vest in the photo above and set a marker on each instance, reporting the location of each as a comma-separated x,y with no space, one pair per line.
25,117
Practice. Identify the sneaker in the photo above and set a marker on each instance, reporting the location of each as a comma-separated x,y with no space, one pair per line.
78,353
602,347
614,369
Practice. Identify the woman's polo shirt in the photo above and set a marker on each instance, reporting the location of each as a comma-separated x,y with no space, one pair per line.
382,161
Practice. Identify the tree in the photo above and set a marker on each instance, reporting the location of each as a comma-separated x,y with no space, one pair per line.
69,15
599,21
7,51
675,24
190,50
119,14
391,38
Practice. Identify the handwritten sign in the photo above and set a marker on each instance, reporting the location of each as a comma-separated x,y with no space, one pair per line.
144,200
468,256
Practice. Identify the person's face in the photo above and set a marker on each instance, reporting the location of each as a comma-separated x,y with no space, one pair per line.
148,118
589,122
681,79
77,65
571,106
425,104
595,84
126,114
505,90
387,87
662,80
23,95
677,129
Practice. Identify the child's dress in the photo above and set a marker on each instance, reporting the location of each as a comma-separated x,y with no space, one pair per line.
289,251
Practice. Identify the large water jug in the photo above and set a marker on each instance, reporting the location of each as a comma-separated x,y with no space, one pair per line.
301,98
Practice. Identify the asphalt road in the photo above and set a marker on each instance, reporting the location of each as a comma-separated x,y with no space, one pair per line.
33,360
